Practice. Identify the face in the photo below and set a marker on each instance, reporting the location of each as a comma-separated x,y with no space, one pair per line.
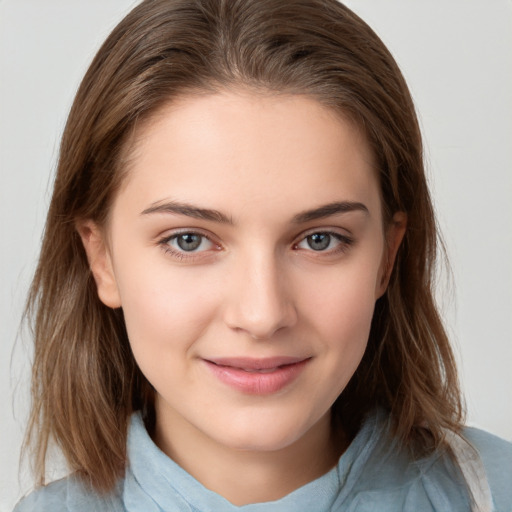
246,248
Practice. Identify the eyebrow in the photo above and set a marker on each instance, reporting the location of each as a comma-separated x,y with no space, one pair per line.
328,210
189,211
196,212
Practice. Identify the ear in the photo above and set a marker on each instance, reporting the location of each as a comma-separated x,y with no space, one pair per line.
100,262
394,236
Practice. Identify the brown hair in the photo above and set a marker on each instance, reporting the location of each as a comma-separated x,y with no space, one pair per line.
85,380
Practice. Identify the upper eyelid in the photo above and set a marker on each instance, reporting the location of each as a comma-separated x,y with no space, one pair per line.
340,232
168,234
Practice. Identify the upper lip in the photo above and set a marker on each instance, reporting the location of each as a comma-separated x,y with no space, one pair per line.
251,363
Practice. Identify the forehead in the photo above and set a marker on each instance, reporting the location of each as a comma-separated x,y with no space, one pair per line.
236,149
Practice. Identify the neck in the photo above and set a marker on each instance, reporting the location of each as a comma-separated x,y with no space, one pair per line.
267,475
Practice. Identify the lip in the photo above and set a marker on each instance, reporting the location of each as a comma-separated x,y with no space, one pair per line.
257,376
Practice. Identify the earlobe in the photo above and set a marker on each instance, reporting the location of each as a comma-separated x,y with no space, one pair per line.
100,262
394,236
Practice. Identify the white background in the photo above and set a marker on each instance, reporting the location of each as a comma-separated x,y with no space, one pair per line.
457,58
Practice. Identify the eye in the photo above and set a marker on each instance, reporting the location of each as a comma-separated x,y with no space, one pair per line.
180,244
319,241
189,241
324,241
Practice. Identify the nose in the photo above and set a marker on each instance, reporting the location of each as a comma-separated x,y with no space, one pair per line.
260,301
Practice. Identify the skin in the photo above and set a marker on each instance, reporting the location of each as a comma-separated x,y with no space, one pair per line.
254,287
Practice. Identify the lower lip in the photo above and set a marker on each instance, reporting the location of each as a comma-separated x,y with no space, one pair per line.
257,383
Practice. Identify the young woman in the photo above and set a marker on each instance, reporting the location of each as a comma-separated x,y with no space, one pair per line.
233,305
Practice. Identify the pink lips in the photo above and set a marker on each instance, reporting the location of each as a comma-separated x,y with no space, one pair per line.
257,376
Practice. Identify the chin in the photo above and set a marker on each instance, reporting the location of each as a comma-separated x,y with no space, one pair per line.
260,435
256,442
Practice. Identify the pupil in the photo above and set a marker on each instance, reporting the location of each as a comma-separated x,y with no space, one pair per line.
189,241
319,241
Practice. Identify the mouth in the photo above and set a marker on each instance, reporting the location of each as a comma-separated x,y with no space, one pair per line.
257,376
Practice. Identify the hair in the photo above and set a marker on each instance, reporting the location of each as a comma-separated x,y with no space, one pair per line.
85,382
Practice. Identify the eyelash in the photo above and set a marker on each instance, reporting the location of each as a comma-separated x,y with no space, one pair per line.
344,243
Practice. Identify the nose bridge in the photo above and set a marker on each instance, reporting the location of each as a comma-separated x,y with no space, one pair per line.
260,302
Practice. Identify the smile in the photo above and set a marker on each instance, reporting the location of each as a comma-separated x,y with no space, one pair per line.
257,376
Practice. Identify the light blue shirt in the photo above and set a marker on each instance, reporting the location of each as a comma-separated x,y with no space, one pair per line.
373,475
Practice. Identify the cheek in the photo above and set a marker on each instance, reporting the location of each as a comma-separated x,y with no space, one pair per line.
343,300
165,311
340,312
345,322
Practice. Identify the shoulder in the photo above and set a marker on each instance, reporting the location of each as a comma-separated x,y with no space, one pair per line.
386,476
69,495
480,471
393,479
496,456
